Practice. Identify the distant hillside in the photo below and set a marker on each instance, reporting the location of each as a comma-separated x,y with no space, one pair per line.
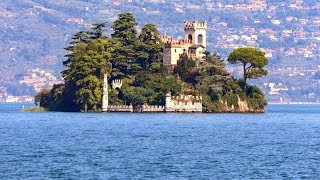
34,32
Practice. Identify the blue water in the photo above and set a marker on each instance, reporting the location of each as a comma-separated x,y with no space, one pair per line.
282,143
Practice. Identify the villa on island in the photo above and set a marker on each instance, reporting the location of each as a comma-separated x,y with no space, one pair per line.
193,44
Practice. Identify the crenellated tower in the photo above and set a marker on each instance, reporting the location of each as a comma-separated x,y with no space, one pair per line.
196,32
194,43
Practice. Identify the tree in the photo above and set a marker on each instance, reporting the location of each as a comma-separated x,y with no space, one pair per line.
87,62
212,78
124,29
43,98
90,68
136,95
125,40
78,38
184,66
256,98
77,50
253,62
98,30
51,99
150,48
89,93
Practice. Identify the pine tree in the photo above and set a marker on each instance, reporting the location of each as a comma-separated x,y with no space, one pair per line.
125,37
97,30
150,48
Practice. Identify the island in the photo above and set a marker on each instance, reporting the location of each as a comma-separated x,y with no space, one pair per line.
149,72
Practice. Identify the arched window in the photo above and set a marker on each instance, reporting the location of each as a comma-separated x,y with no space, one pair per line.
200,39
190,37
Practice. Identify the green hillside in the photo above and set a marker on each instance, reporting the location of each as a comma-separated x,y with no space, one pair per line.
34,33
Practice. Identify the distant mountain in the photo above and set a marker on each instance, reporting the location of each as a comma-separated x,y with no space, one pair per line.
34,32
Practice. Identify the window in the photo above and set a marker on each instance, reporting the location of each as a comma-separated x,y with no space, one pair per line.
190,37
200,39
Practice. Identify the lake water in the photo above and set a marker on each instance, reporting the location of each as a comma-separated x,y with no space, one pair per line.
282,143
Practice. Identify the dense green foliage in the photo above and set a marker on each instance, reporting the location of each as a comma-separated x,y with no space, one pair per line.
126,55
136,59
209,78
256,98
34,109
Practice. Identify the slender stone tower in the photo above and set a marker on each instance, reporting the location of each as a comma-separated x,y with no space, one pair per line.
105,94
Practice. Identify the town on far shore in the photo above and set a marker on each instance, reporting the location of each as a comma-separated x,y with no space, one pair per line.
286,31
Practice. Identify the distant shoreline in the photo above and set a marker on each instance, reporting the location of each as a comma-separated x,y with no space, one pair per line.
270,103
295,103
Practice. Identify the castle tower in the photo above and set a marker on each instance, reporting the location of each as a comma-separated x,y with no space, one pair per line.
105,94
169,104
196,32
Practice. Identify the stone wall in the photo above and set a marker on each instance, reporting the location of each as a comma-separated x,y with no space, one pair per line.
149,108
183,103
122,108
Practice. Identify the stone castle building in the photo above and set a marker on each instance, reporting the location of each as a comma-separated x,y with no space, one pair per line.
193,44
117,84
183,103
173,103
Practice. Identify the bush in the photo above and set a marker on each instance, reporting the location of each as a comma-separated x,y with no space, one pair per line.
232,99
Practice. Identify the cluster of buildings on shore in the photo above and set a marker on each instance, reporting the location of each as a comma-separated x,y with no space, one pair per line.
39,79
250,36
35,78
270,26
280,35
10,98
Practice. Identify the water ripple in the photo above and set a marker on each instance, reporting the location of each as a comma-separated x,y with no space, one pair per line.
283,143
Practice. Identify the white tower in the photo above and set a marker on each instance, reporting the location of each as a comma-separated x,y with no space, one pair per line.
196,32
105,94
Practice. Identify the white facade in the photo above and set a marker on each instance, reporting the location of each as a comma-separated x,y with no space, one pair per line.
183,103
196,32
195,36
105,94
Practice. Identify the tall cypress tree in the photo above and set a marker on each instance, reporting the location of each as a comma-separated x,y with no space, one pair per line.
87,61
